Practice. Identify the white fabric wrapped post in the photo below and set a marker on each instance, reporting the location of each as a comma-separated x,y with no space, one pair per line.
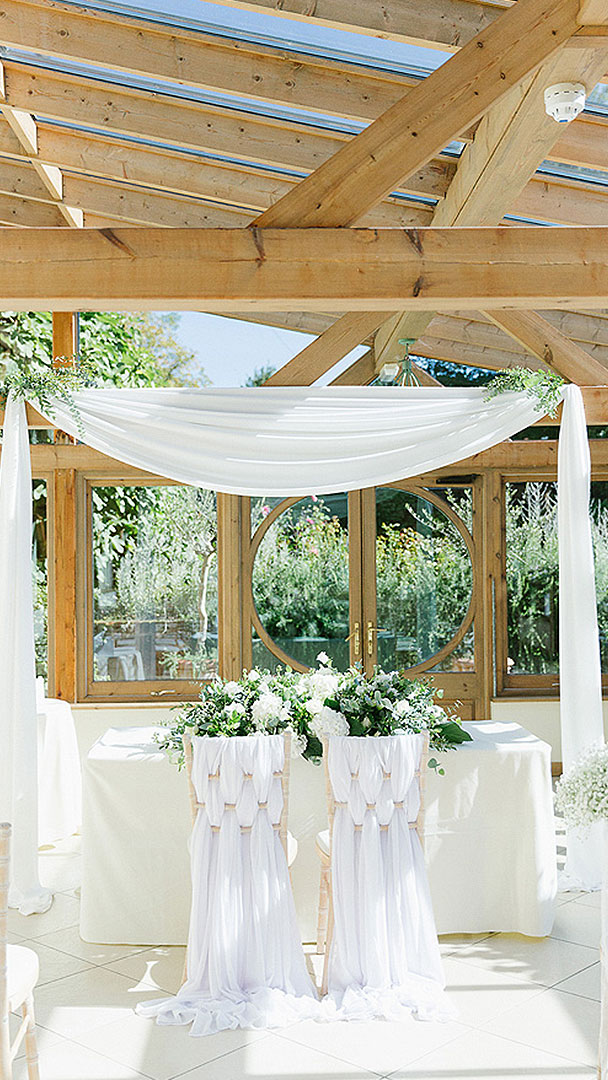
18,719
580,674
384,957
245,965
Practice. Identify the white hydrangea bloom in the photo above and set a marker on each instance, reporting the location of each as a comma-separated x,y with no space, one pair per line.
328,722
268,707
234,707
323,683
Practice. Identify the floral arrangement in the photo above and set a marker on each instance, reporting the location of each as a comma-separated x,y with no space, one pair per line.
545,386
582,792
314,706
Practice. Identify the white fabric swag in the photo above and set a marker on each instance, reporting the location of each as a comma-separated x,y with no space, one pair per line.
281,441
384,959
246,965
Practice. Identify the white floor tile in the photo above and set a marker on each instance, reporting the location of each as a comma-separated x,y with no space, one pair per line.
480,1056
44,1038
578,923
480,993
67,1061
63,912
273,1058
541,960
586,984
160,969
70,941
590,899
162,1052
377,1045
555,1022
88,1000
54,964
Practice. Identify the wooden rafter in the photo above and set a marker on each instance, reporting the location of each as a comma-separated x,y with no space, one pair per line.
311,269
416,128
315,359
556,351
25,130
184,123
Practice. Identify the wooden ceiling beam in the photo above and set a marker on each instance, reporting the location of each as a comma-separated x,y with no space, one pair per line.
192,58
306,269
317,358
486,336
188,124
556,352
25,130
512,139
417,128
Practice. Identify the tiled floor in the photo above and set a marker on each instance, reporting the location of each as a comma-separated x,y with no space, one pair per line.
526,1007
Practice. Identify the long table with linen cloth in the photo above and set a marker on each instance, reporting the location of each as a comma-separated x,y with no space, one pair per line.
490,842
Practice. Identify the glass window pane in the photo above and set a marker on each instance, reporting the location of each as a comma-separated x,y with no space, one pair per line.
154,583
424,579
532,578
40,577
300,581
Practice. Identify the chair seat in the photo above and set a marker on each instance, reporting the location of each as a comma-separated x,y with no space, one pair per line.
22,974
292,849
323,842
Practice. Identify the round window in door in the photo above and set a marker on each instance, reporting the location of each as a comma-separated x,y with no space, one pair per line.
300,582
424,579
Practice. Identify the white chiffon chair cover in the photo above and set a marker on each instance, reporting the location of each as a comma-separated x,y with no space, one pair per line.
384,959
245,965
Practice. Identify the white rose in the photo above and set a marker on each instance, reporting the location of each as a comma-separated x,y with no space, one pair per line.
253,675
234,707
231,688
401,707
313,706
323,658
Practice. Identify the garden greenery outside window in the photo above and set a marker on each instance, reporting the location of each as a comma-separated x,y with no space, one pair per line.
532,572
153,578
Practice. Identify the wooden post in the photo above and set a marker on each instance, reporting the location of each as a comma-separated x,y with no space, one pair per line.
233,625
62,585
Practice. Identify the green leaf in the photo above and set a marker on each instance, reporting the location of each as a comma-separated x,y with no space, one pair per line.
454,733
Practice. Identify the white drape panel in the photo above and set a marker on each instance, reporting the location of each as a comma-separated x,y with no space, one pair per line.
294,440
384,957
246,965
18,711
579,653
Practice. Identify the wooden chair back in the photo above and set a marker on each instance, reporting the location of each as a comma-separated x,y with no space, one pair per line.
284,773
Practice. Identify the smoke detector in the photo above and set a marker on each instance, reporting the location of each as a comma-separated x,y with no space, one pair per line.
564,101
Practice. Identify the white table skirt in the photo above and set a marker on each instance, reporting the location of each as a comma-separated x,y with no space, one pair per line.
59,783
490,844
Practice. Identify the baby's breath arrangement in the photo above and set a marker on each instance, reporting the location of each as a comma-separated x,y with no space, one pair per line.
582,792
46,388
314,706
545,386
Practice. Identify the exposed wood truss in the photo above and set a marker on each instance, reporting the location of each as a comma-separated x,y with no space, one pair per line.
313,269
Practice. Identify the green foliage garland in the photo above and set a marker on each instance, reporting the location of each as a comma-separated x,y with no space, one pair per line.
545,386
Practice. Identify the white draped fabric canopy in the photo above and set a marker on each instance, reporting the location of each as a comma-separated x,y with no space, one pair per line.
283,441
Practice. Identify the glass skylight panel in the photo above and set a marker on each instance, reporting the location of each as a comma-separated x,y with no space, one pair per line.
266,28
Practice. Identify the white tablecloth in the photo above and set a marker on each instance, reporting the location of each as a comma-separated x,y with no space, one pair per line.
59,784
490,844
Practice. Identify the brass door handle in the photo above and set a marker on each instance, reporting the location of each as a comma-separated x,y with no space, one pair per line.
371,630
356,634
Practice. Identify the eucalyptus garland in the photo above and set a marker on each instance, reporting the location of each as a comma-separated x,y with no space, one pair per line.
45,388
544,386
